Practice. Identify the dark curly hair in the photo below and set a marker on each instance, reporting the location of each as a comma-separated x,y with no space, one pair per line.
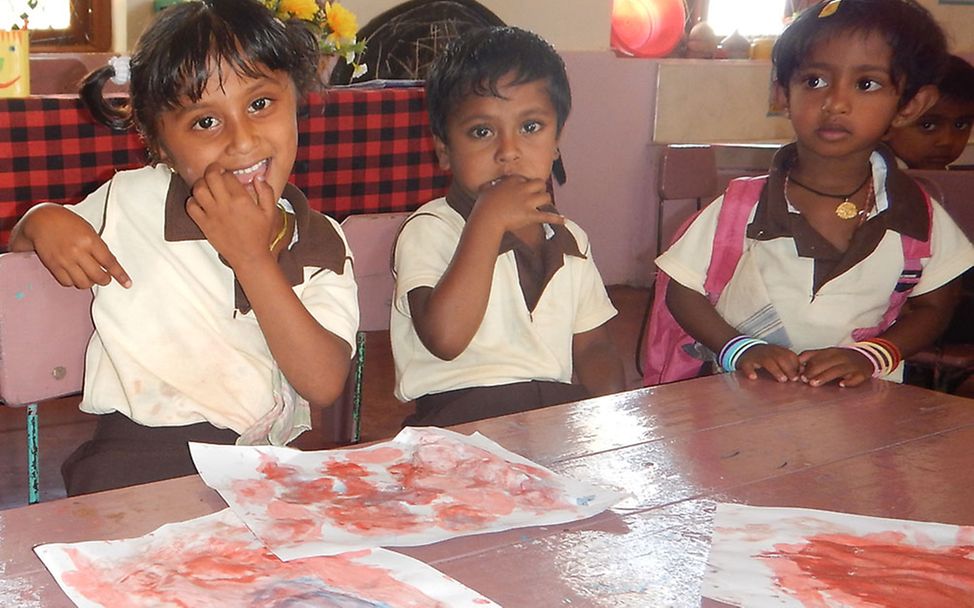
475,62
918,44
175,56
958,82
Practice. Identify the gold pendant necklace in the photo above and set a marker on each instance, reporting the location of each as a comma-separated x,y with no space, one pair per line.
845,210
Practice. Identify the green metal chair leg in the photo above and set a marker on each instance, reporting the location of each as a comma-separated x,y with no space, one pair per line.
359,372
33,466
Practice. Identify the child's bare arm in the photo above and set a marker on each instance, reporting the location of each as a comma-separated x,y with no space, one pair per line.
315,361
694,312
448,315
68,246
597,363
924,318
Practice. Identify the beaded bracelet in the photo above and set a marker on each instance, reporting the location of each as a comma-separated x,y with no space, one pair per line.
733,350
883,354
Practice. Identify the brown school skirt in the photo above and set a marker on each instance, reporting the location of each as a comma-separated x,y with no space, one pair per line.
479,402
125,453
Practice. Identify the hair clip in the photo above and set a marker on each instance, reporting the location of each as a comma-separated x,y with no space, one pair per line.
121,66
829,9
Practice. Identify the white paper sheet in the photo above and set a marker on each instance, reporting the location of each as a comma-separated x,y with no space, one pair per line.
762,556
217,561
424,486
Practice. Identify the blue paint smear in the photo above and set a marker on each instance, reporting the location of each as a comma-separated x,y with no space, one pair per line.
584,501
20,295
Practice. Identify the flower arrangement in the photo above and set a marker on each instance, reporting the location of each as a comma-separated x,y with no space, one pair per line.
334,25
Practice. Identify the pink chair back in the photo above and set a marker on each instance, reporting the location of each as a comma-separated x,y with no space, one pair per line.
371,237
44,331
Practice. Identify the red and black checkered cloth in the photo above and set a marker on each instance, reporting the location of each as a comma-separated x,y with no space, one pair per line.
359,151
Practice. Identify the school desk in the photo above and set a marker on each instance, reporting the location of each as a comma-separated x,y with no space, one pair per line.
883,450
360,150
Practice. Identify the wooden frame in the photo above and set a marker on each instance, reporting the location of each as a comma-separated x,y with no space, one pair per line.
90,30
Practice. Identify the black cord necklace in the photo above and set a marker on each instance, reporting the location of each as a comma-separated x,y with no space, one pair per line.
846,210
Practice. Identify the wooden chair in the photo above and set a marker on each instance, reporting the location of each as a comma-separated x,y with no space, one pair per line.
44,333
371,237
686,172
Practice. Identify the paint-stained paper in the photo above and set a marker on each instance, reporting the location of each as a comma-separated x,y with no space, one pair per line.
801,557
424,486
217,561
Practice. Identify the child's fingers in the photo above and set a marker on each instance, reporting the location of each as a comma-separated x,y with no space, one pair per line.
211,188
749,369
852,380
71,277
114,268
265,195
780,363
552,218
825,373
780,370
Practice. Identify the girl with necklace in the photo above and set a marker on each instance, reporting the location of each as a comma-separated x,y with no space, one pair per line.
832,242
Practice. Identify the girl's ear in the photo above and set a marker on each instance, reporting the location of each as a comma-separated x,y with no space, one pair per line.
442,153
779,99
915,107
157,154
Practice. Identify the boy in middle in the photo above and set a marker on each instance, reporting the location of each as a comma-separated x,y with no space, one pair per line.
498,303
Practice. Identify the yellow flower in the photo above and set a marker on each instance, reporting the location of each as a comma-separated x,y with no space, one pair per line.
298,9
341,21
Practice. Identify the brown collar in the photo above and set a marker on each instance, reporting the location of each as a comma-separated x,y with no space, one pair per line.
535,270
906,213
318,245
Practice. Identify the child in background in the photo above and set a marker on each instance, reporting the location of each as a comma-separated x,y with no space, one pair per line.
831,242
940,135
216,288
498,301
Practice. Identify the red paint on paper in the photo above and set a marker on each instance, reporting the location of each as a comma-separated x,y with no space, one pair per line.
874,570
442,483
197,571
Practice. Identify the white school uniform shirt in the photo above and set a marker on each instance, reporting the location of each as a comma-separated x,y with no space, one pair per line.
512,344
856,298
173,349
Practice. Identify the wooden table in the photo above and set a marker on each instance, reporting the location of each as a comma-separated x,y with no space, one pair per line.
883,450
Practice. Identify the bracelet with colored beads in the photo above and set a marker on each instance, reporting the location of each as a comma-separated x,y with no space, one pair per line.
735,347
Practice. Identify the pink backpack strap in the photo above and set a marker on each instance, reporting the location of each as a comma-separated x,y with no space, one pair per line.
665,358
741,196
913,253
